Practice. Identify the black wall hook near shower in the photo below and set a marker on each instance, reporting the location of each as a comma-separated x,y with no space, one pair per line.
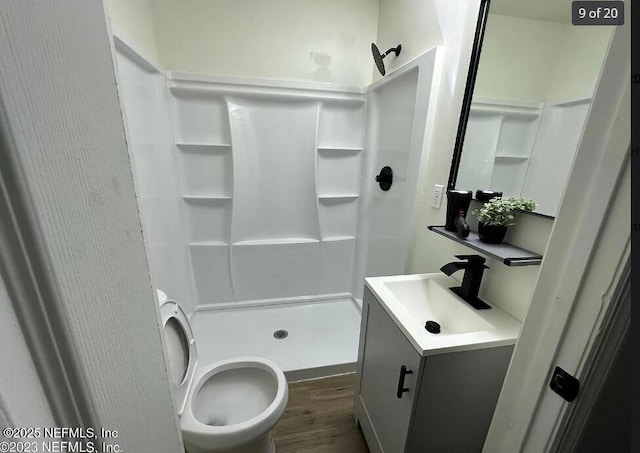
385,178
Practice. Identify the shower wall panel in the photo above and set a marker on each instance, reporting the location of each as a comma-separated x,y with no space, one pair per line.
270,179
145,101
274,147
393,103
561,128
397,135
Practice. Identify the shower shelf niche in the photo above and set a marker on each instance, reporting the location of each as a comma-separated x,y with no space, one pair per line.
338,238
339,150
275,241
507,156
208,244
346,196
206,197
200,147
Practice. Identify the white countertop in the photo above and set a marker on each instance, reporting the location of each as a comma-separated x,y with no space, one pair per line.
496,328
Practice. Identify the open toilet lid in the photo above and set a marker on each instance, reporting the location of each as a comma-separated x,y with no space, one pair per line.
182,357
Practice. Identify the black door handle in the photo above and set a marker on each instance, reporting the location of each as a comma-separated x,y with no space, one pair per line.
401,389
385,178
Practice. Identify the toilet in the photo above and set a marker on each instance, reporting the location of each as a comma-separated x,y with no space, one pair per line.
228,406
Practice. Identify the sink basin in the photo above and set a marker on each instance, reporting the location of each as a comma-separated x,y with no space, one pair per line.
430,300
412,300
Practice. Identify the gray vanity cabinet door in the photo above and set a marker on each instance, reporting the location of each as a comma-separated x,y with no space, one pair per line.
386,351
458,395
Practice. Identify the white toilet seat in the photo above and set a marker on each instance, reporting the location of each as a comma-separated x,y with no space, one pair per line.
170,310
201,434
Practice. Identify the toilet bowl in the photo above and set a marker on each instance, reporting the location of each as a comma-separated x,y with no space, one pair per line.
228,406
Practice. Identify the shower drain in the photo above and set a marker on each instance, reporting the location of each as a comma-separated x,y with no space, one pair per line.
280,334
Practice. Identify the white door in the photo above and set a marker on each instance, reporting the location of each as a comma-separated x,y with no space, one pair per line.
528,412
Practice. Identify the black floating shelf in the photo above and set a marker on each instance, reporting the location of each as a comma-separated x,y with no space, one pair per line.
507,253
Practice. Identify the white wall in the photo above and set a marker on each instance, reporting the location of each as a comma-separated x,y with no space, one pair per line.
324,41
133,21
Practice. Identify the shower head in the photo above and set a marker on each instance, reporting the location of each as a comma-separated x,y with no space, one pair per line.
377,56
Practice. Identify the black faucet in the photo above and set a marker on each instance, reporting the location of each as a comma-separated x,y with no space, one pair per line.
473,268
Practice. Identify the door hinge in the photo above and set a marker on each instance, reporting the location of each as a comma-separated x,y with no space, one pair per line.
564,384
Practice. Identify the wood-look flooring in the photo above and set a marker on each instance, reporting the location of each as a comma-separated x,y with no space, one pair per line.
318,418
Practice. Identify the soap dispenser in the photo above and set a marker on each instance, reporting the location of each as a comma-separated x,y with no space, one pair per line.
462,227
458,202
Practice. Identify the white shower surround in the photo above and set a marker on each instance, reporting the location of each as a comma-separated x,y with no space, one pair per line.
145,101
268,188
270,177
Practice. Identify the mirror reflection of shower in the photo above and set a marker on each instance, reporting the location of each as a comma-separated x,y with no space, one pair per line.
378,57
531,98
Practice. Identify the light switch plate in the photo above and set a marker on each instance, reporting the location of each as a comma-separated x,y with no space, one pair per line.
438,190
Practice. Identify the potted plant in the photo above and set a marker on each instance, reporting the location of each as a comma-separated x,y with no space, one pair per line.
496,215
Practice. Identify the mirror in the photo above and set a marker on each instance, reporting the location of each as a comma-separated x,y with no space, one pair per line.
531,80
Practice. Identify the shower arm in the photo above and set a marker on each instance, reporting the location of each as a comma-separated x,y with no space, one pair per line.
396,50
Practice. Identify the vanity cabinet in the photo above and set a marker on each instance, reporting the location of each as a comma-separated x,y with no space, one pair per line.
410,401
386,352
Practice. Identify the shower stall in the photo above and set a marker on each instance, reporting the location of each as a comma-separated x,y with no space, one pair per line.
259,202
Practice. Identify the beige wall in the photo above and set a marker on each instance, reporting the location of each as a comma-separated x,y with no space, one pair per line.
518,58
579,61
310,40
413,23
535,60
132,20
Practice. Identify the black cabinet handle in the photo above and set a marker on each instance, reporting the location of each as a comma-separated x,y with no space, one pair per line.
401,388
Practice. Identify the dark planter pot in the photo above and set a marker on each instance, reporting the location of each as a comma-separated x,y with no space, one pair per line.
491,234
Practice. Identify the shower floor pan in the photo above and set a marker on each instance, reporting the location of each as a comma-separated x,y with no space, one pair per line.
305,339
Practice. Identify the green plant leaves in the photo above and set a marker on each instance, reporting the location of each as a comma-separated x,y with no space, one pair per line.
499,211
